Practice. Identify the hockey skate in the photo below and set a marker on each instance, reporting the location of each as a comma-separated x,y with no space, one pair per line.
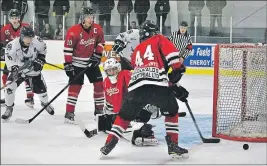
2,102
144,136
29,102
69,118
109,146
49,109
6,116
175,151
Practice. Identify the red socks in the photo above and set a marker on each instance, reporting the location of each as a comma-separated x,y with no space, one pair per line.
73,93
171,125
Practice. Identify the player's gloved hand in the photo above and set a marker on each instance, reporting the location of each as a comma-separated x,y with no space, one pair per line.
95,60
69,69
14,73
189,46
176,75
15,69
118,46
180,92
38,64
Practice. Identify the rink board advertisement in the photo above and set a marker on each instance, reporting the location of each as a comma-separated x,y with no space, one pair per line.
201,56
199,62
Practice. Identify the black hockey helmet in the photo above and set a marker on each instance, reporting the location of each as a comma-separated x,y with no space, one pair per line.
26,31
13,13
85,11
184,24
148,29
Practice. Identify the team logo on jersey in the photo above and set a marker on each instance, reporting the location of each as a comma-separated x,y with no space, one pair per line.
9,47
112,91
69,42
87,42
7,32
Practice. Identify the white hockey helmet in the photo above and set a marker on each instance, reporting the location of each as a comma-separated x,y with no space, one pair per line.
112,68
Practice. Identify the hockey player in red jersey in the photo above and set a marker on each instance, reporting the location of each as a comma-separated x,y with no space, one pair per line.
116,87
8,33
84,45
149,85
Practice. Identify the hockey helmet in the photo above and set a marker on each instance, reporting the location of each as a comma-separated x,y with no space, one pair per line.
26,31
112,68
148,29
183,27
13,13
184,24
86,11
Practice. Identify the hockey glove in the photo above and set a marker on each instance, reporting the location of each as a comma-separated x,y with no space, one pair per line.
176,75
14,74
69,69
38,64
118,46
180,92
95,60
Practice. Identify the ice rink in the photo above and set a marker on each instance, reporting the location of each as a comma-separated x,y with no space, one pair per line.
47,140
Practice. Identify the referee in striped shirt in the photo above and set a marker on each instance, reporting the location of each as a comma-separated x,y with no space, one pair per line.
182,40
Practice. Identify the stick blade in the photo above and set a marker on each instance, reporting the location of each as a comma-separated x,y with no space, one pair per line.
91,133
211,140
182,114
22,121
87,133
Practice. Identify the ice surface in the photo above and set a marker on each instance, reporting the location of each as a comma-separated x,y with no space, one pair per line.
47,140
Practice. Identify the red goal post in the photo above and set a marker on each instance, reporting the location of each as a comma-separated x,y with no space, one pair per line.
240,92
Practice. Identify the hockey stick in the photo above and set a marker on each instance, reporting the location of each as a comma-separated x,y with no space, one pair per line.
205,140
87,133
23,121
54,66
182,114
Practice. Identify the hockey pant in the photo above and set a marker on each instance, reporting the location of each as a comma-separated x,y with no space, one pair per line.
135,100
29,90
37,83
94,75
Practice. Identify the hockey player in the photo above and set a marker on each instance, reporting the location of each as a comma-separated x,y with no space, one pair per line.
149,84
25,58
8,33
84,45
124,44
116,87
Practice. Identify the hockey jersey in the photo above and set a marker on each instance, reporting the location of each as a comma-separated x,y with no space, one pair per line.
8,33
131,38
15,54
81,44
114,93
151,61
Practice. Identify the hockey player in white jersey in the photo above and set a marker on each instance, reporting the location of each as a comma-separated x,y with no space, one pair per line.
25,58
124,45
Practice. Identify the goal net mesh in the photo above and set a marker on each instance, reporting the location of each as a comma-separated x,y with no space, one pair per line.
241,100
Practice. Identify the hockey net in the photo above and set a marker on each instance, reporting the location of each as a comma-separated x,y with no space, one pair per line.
240,92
